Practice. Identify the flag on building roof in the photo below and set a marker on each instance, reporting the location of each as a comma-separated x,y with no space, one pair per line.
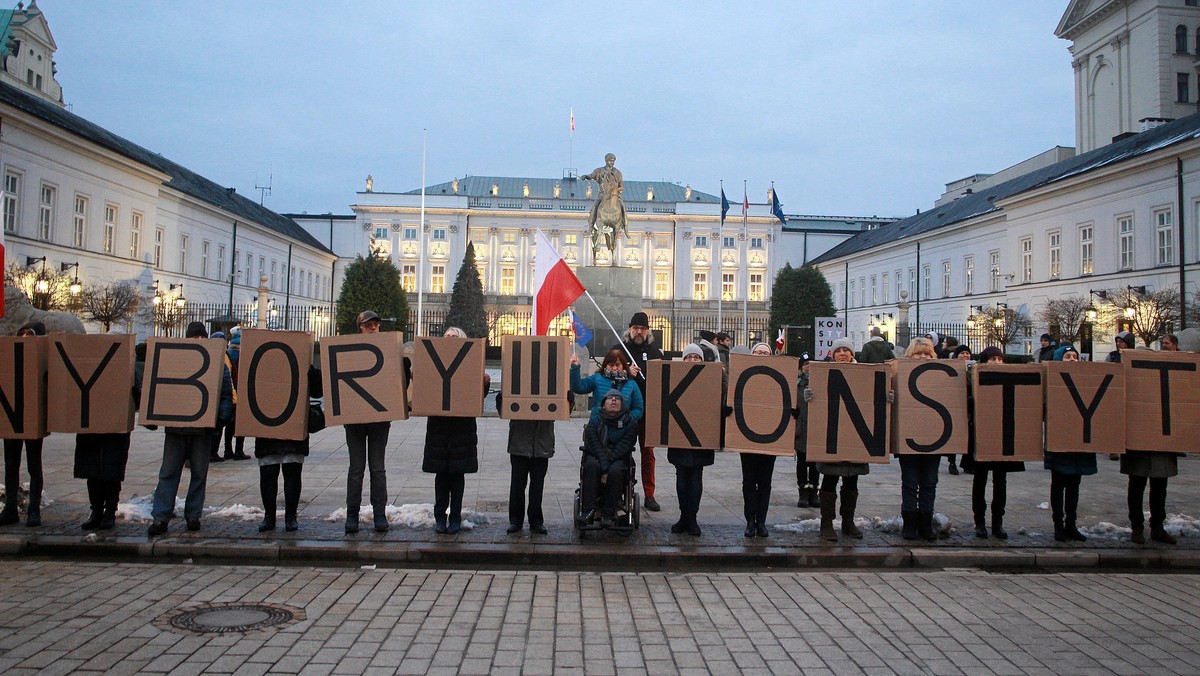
555,286
745,206
777,206
724,205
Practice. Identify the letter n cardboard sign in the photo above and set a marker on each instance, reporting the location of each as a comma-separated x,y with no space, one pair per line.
536,377
181,386
273,379
448,377
1162,401
683,404
363,377
92,381
763,393
849,416
23,387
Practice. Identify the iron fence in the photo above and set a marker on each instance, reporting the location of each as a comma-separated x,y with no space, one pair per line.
974,336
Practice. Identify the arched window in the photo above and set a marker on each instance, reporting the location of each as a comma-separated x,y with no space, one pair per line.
1181,39
1198,40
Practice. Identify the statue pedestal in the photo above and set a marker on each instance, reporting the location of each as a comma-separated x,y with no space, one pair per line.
618,292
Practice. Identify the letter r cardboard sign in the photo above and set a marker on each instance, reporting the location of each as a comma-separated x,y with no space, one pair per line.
363,377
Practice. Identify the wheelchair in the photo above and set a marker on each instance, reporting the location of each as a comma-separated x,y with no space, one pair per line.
627,517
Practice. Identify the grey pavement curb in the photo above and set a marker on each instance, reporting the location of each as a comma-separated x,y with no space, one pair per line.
601,555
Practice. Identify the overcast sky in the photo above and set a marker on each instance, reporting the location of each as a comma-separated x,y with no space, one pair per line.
851,108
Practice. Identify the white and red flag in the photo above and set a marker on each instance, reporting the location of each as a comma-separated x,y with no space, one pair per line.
555,286
2,257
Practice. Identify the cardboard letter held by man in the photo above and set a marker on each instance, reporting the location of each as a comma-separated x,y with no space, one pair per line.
448,377
849,415
1085,407
763,392
181,385
273,378
363,378
1162,401
23,387
683,404
931,407
92,381
1008,412
536,377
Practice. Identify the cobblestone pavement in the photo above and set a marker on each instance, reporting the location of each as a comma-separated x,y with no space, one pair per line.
59,617
234,483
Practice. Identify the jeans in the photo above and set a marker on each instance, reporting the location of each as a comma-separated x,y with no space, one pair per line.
757,470
531,471
12,472
614,486
918,482
194,448
689,485
366,444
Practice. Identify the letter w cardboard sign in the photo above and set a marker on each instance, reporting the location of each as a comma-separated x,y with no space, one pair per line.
363,378
931,407
92,381
448,377
536,377
683,404
1085,407
23,387
1162,400
1008,412
273,378
849,416
181,386
763,393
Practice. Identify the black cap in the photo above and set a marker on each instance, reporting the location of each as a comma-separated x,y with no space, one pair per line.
196,330
707,335
804,358
723,336
38,328
639,319
367,316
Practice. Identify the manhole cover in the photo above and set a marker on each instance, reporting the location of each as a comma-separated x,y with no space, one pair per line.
229,618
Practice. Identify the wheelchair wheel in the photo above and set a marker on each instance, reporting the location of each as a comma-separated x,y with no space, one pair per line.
575,516
635,515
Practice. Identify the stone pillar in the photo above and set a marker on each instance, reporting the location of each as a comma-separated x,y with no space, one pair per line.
902,330
618,292
263,292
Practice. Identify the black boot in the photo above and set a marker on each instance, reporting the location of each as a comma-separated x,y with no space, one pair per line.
1072,532
108,520
693,528
10,514
814,500
909,531
93,522
828,509
97,503
268,522
998,528
980,527
925,527
1060,534
849,503
751,529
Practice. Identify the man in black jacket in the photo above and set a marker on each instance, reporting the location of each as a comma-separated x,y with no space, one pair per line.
639,342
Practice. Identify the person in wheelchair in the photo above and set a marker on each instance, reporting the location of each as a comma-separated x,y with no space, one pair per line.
607,446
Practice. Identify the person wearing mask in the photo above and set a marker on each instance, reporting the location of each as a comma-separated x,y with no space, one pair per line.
832,472
757,470
639,342
613,375
33,464
234,449
689,469
999,469
1066,472
451,453
877,350
808,479
284,456
919,473
366,443
194,446
1123,341
607,447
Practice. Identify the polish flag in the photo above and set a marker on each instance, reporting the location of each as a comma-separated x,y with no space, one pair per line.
1,268
555,286
572,119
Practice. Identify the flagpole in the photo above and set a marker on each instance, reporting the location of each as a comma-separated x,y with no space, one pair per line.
421,260
613,329
745,270
571,152
720,293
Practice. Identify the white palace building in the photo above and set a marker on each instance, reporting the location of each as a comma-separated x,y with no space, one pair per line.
1123,212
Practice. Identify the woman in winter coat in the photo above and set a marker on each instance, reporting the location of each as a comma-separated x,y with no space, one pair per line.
1066,472
999,469
607,447
613,375
451,453
689,469
33,464
287,456
808,479
100,459
530,447
848,472
757,470
1144,467
919,473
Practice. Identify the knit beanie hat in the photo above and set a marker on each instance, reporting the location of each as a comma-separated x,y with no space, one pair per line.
989,352
1127,338
692,348
842,342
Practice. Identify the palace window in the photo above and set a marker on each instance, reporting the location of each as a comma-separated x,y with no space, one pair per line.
135,239
205,247
945,278
728,289
969,275
408,277
79,232
756,287
159,236
221,262
1055,255
1026,260
700,286
183,254
46,212
661,285
994,271
1125,241
1086,249
508,281
438,281
1164,227
12,191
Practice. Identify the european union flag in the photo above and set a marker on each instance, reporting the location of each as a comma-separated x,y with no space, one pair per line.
582,335
777,207
724,206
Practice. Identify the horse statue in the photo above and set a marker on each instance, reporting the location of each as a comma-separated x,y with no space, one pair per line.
607,220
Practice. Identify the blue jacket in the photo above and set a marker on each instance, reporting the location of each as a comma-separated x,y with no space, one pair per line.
598,385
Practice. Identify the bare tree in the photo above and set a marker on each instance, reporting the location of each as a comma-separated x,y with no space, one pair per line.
45,289
1150,315
1002,326
110,304
1065,317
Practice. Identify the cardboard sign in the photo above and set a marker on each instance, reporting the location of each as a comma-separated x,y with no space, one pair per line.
683,404
1162,400
448,377
536,377
1085,407
849,416
828,329
763,393
363,378
92,381
181,386
931,407
23,387
273,384
1008,411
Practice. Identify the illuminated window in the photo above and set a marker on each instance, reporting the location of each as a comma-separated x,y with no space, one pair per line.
756,286
1086,249
46,212
408,277
508,281
661,285
438,279
994,271
700,286
1125,235
969,267
1164,226
728,289
1055,244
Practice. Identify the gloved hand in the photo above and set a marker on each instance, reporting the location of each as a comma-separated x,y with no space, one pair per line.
808,395
891,397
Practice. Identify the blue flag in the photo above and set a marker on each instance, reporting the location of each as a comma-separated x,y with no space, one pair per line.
582,335
724,206
777,207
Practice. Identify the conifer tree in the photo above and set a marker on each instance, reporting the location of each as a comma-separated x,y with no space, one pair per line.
372,283
798,296
466,300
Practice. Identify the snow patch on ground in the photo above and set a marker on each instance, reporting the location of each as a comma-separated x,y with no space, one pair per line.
418,515
137,510
1044,505
891,525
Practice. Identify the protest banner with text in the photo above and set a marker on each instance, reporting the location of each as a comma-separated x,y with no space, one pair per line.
683,404
1162,401
931,407
448,377
181,384
363,378
1008,412
92,381
536,377
849,415
763,394
23,387
1085,407
273,384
